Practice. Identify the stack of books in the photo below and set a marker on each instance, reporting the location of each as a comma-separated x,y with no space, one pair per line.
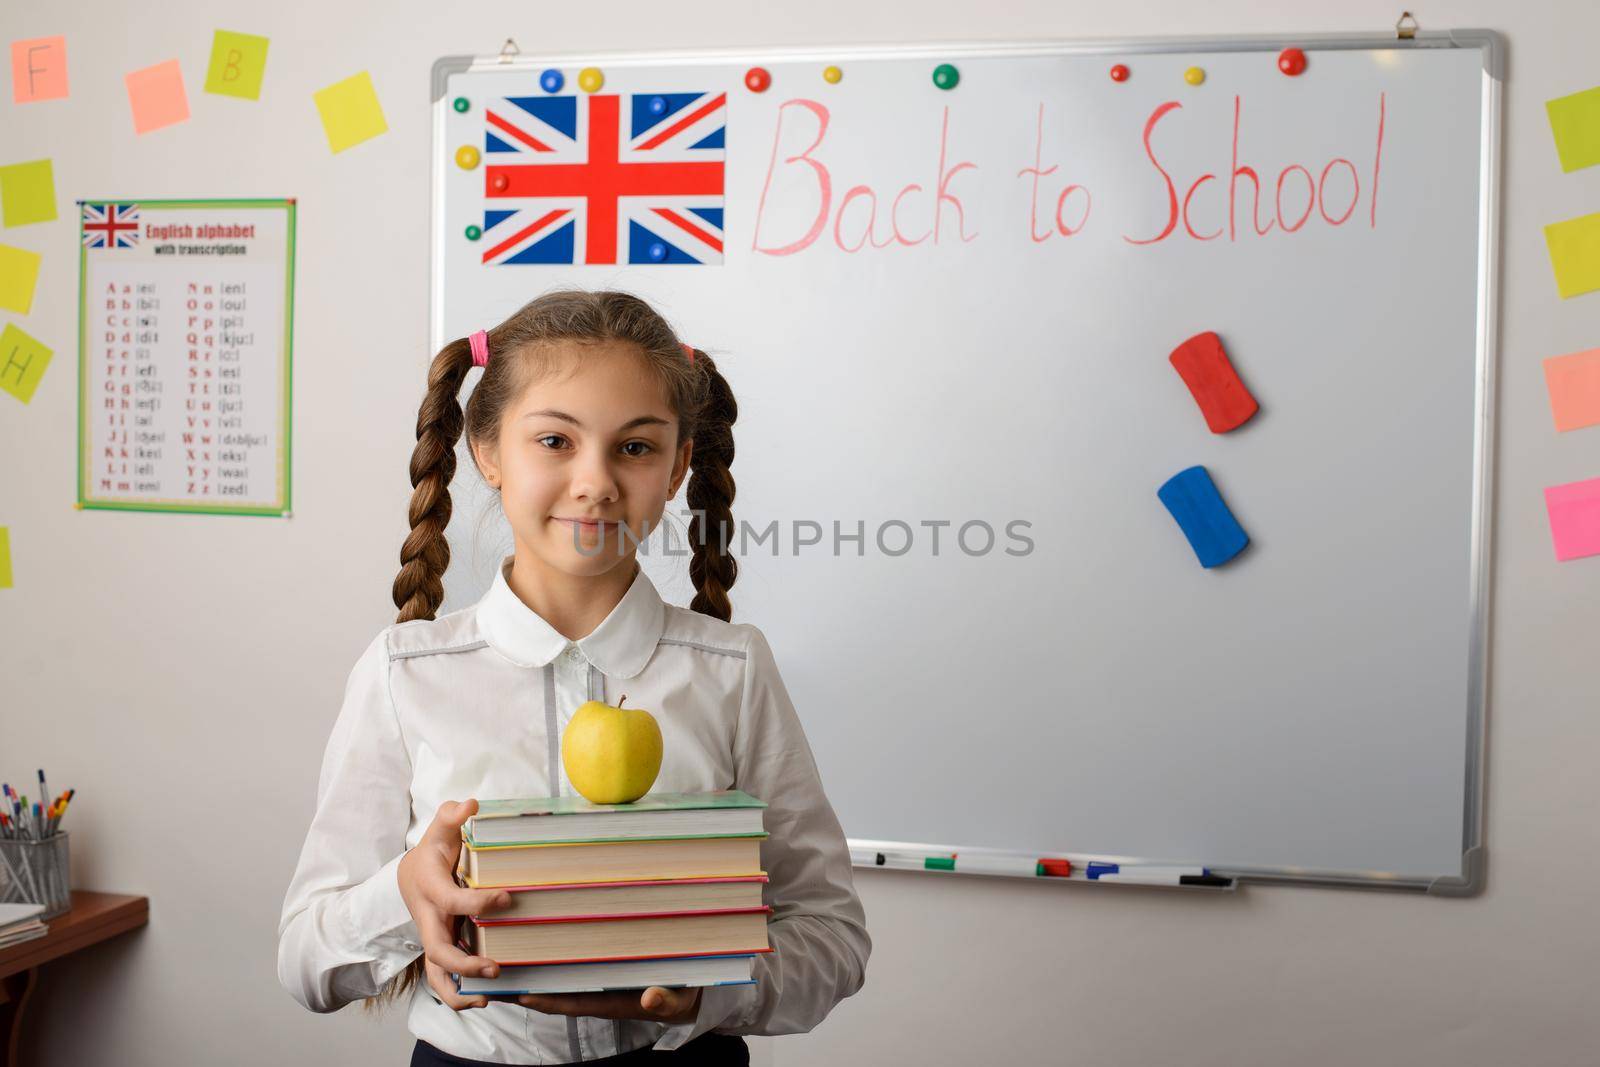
665,891
21,922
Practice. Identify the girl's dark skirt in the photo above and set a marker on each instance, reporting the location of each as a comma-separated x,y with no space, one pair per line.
708,1050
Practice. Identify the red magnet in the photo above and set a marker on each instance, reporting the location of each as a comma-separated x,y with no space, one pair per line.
1119,73
1205,369
499,183
1291,61
756,79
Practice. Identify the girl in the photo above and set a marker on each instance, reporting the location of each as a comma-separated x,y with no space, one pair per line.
588,415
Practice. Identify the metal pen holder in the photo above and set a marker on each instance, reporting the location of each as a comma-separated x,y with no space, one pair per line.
36,872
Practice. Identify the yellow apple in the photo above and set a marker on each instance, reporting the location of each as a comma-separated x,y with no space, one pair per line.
612,754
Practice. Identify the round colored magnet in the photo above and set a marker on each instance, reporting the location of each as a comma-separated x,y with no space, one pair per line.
1194,75
552,80
473,233
1291,61
831,75
657,251
945,76
499,183
467,157
590,79
461,104
756,79
1119,73
658,105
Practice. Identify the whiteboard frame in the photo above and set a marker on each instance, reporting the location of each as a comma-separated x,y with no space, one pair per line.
1469,881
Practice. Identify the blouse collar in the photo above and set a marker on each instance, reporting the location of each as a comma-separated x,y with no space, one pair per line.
620,646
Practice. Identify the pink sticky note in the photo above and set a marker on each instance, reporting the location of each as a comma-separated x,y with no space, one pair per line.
1575,518
1574,384
39,69
157,96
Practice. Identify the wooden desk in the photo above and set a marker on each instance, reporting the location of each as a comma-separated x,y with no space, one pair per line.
94,917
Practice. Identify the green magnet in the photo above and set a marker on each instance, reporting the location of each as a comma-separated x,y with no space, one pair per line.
945,76
461,104
473,233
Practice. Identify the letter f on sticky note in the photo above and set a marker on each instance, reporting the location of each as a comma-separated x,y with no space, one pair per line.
1206,370
1192,498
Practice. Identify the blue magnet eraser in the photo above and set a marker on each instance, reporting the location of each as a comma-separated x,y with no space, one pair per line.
1213,532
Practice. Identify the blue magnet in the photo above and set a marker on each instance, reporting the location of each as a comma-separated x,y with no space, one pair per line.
1213,532
551,81
658,105
657,251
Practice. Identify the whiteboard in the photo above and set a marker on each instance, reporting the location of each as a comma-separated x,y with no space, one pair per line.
1311,711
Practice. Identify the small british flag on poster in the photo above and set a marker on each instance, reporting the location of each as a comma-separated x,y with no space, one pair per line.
110,225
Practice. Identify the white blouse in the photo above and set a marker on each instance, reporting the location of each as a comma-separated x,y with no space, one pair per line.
473,705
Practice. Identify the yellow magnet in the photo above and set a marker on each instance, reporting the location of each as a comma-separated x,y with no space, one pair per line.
1194,75
831,75
467,157
590,79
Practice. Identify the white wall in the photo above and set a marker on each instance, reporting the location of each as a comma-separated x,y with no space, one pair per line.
183,672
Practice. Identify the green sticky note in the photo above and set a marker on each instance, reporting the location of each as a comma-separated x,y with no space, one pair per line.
19,273
1575,121
238,60
22,363
1575,253
27,193
5,558
350,111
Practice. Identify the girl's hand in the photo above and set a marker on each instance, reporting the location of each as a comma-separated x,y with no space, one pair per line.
658,1004
428,886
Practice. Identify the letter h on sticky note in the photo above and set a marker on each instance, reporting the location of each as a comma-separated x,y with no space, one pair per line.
1205,369
1197,507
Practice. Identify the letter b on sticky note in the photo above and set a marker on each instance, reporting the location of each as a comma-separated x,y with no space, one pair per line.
238,60
22,363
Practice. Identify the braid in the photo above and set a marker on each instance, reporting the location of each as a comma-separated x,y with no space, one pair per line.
712,567
419,587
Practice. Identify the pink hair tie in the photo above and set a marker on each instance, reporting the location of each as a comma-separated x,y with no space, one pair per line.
480,348
688,350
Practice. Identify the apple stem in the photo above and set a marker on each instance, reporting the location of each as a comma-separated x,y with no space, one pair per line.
619,703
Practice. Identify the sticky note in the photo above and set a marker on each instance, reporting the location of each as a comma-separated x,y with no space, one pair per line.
238,60
5,558
1575,122
1574,518
157,96
1574,384
1575,254
1196,506
27,193
22,363
1216,387
19,273
38,69
350,112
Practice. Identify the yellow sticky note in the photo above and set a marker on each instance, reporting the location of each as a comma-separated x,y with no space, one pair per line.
39,69
350,112
1575,253
1575,121
238,60
157,96
22,363
5,558
27,193
19,273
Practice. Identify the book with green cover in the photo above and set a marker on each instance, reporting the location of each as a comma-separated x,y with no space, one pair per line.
534,820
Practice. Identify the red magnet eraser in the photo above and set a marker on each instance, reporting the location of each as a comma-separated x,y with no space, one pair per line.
1204,367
